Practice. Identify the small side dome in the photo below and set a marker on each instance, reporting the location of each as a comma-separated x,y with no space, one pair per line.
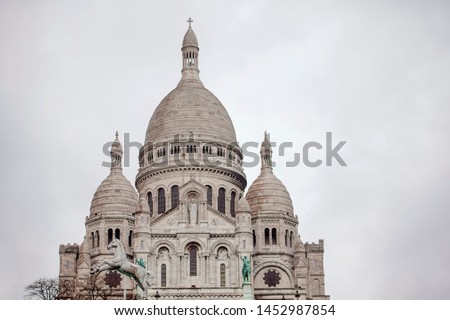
115,195
299,246
143,205
242,205
190,39
268,194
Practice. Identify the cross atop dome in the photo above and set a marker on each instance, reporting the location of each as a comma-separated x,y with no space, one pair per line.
190,21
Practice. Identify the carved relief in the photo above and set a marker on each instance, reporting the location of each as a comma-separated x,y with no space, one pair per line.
256,262
222,253
163,253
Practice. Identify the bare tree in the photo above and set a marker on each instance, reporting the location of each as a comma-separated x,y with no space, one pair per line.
66,289
94,288
42,289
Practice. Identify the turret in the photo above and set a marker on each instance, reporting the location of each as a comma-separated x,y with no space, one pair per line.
190,50
141,236
244,226
112,208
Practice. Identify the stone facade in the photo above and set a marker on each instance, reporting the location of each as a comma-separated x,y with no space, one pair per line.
189,221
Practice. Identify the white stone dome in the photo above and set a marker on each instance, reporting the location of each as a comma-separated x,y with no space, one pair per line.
242,205
115,195
267,194
190,109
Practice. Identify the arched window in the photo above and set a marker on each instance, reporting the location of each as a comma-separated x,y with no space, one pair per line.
142,245
274,236
221,200
110,235
192,261
286,237
290,239
254,238
232,204
117,234
163,275
130,239
92,240
161,201
266,236
175,196
206,149
97,239
209,195
175,150
222,275
150,202
191,148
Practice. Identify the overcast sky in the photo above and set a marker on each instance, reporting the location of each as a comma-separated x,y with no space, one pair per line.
374,73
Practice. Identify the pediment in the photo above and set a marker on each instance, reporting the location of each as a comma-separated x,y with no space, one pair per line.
301,262
82,264
178,220
217,219
168,220
192,186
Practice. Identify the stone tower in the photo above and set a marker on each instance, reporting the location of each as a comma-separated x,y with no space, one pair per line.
275,230
112,210
190,223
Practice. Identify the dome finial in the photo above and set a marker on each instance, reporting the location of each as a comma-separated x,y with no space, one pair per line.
189,50
266,152
116,153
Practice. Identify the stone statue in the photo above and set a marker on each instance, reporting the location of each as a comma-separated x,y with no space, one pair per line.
193,212
119,262
246,269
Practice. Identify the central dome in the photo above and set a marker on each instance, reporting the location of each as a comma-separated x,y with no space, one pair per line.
190,110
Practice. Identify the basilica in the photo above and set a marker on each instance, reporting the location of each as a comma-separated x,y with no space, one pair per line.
188,220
